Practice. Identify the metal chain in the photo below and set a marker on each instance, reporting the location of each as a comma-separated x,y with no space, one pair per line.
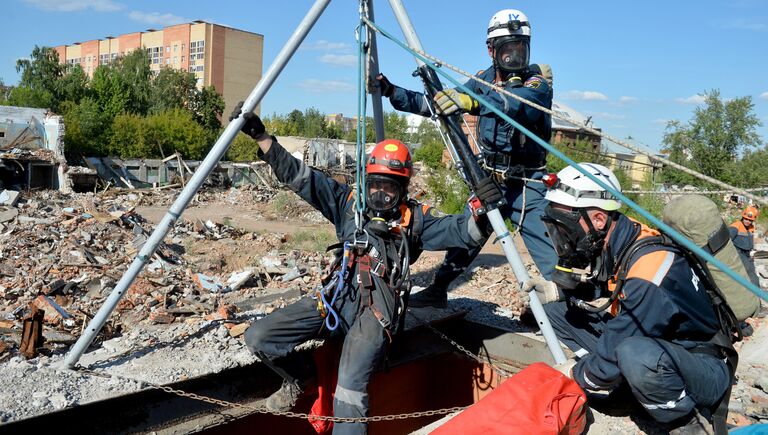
591,130
501,372
264,410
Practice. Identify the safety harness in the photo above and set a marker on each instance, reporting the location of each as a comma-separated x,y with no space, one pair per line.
373,273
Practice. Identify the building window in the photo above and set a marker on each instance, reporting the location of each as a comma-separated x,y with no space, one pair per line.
104,59
155,55
182,46
167,60
182,59
114,56
167,48
175,60
175,48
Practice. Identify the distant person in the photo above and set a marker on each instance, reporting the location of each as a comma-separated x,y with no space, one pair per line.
662,337
743,237
365,303
507,154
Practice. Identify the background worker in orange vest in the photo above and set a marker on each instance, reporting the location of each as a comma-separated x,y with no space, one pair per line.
743,237
662,336
363,300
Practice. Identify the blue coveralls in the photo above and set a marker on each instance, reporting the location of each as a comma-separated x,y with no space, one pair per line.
743,239
500,141
656,342
365,339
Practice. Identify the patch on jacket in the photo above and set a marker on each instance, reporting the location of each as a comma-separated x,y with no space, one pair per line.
533,82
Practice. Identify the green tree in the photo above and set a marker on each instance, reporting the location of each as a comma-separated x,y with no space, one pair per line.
124,85
171,89
87,128
294,125
396,126
39,80
243,149
314,123
174,131
207,108
717,134
370,132
127,139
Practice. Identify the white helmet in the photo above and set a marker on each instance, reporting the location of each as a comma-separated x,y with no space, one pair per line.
576,190
508,22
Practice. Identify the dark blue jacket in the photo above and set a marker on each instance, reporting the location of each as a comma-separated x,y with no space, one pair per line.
336,202
495,134
662,298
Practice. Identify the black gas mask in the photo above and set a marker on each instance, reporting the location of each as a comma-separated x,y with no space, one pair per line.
575,248
383,199
511,53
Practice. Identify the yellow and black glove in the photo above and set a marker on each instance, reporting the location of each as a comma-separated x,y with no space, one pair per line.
450,101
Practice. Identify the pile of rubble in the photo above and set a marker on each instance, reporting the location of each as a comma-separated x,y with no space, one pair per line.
64,254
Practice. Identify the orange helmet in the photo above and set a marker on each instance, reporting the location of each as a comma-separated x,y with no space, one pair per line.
750,213
390,157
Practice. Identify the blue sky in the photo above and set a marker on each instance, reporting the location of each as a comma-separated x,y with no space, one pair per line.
632,66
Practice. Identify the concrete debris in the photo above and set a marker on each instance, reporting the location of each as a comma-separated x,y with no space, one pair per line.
9,197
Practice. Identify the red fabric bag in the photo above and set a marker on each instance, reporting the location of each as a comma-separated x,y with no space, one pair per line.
538,400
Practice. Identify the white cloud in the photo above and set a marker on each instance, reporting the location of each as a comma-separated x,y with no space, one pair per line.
75,5
607,115
323,45
626,99
764,95
326,86
156,18
339,59
693,99
585,95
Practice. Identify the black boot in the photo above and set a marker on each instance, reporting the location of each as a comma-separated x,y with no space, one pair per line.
432,296
693,424
285,398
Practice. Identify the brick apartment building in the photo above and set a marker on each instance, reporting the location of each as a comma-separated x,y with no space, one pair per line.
226,58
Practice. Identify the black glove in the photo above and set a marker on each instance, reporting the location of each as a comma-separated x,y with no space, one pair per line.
385,86
252,126
488,192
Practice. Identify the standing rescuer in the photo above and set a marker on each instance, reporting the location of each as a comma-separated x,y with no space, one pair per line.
363,298
505,151
662,336
743,237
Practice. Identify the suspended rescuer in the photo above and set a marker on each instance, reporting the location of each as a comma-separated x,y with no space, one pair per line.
363,298
505,152
663,336
743,237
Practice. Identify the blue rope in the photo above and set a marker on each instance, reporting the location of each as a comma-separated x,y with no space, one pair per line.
659,224
340,280
361,113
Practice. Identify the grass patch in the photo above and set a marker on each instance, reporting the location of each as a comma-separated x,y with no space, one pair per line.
305,240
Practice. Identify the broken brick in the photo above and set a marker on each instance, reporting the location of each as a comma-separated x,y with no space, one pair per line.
238,330
160,316
738,419
54,313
